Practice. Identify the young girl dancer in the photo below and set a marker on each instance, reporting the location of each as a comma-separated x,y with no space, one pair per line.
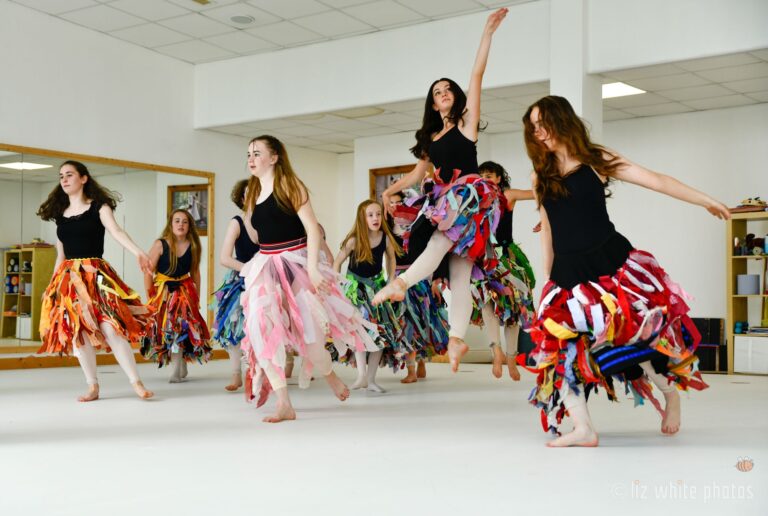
229,321
461,205
292,300
182,333
86,302
424,318
505,297
365,245
608,309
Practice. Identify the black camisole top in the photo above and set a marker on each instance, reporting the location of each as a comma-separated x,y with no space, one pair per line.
183,262
273,225
245,248
504,229
453,151
369,270
586,244
82,235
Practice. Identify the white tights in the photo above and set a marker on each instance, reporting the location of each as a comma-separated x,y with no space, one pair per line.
460,310
121,349
317,355
511,333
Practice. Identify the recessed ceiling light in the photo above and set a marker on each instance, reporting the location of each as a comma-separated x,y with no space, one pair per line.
24,165
243,20
361,112
619,89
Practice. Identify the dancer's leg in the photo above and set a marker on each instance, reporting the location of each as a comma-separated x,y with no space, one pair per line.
360,361
321,362
511,335
670,423
373,366
491,325
460,311
123,353
176,360
583,434
235,365
410,364
284,410
86,355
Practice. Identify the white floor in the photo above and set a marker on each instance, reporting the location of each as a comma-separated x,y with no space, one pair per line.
454,444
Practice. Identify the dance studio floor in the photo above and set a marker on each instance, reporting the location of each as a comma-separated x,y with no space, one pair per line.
453,444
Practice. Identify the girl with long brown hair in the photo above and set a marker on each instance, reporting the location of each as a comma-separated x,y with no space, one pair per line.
292,300
366,245
174,294
87,306
460,211
609,311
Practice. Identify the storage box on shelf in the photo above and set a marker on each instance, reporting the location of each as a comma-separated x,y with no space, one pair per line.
26,273
747,351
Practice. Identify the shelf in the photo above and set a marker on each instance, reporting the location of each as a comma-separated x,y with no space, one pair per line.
750,215
761,335
750,295
752,257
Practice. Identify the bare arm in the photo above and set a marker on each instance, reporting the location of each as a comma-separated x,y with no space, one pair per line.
107,218
59,254
472,116
668,185
312,228
154,256
513,195
411,178
343,254
196,279
545,234
391,262
225,255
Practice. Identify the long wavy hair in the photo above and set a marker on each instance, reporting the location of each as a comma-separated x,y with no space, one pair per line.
58,201
495,168
432,122
238,193
363,252
289,191
566,128
170,239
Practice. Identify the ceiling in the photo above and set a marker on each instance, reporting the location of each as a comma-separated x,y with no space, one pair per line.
696,85
195,33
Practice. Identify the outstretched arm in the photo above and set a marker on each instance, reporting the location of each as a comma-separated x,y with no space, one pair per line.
662,183
411,178
107,218
513,195
472,116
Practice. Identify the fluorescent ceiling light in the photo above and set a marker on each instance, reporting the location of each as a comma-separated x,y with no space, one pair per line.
619,89
24,165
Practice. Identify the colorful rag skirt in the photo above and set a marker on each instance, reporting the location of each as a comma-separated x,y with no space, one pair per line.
602,330
283,312
83,294
387,332
424,320
466,210
180,326
508,288
229,322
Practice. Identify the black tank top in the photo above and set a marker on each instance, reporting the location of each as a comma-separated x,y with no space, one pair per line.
245,248
585,242
183,262
82,235
369,270
273,225
453,151
407,258
504,229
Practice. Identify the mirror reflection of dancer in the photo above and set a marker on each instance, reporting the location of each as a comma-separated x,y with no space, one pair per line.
462,206
504,298
608,310
229,320
87,306
366,245
423,315
173,292
292,300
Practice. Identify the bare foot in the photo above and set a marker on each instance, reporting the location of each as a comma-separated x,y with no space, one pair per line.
457,348
283,413
237,382
93,393
421,369
142,391
514,373
411,377
670,423
498,360
583,437
394,291
337,386
360,383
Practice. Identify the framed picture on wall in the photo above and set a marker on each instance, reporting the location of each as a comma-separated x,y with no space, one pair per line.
381,178
194,199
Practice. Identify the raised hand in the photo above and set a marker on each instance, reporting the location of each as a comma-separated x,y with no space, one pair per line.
495,19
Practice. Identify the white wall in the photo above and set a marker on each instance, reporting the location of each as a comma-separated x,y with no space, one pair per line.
18,222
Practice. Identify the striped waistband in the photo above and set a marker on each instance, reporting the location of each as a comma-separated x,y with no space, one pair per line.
281,247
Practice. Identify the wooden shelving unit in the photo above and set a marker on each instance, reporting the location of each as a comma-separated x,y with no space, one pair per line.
738,305
27,301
